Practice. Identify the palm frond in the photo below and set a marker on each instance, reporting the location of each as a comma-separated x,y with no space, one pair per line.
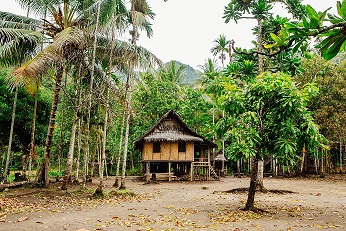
9,20
65,44
18,45
39,7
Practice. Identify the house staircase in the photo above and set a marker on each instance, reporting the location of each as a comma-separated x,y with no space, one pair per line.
213,173
197,166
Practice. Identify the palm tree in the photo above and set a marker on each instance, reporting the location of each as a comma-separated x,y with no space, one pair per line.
138,17
173,72
18,42
220,48
72,35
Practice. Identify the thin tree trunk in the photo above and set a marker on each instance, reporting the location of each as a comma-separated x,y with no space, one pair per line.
117,171
45,167
79,138
322,162
79,143
99,189
8,157
91,88
32,141
238,167
122,185
275,167
61,131
69,161
340,152
303,160
260,45
253,183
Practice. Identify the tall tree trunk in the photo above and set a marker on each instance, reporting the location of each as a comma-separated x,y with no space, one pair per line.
122,185
8,157
253,184
117,171
91,89
99,189
69,161
260,45
33,128
79,143
61,131
79,137
45,167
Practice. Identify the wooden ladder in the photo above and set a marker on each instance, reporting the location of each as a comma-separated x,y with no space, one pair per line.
213,173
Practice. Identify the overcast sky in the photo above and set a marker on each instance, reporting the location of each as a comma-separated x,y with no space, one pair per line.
184,30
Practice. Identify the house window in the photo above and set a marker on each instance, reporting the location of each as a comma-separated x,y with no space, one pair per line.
156,147
181,147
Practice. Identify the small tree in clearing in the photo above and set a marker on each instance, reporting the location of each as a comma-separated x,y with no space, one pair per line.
269,117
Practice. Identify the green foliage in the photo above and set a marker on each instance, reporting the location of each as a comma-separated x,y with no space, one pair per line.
157,96
332,38
23,119
269,117
328,107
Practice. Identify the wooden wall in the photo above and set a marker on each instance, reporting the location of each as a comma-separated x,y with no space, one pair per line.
169,152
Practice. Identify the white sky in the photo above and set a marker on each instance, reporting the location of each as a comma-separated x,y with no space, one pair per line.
184,30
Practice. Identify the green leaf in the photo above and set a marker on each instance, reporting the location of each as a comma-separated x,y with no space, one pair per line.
314,23
296,47
269,46
334,49
341,8
311,12
334,19
305,23
276,38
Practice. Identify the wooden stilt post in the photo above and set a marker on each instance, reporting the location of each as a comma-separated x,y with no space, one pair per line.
191,171
169,171
147,175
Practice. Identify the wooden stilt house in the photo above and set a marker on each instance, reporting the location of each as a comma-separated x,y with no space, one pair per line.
172,151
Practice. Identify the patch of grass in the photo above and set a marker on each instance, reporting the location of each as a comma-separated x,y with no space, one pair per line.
122,192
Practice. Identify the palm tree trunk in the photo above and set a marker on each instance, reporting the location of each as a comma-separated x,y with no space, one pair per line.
79,143
79,137
69,161
61,134
51,126
32,139
91,85
260,45
99,190
128,115
116,182
11,134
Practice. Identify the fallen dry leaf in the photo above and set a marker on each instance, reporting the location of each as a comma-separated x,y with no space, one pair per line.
22,219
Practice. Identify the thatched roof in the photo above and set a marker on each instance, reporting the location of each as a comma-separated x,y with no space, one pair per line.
171,128
218,156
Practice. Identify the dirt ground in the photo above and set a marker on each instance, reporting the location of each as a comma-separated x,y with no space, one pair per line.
316,204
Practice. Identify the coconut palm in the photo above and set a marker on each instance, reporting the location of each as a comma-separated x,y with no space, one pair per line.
139,16
19,40
220,48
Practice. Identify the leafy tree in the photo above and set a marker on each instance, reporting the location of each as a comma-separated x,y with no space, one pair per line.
269,117
328,107
332,39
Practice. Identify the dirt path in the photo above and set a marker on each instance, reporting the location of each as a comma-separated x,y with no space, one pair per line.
317,204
